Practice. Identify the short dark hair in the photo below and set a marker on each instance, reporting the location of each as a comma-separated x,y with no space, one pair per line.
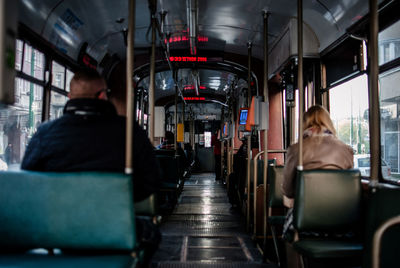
86,74
169,137
117,81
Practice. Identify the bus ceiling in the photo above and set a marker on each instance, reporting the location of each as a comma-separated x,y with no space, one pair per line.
221,26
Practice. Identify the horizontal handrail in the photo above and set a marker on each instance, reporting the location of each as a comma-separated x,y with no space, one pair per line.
277,151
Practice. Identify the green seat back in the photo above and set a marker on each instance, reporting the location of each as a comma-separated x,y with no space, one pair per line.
147,207
327,200
383,204
170,168
87,210
275,178
169,152
260,169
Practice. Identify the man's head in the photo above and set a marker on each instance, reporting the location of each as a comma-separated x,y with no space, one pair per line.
87,83
117,82
169,137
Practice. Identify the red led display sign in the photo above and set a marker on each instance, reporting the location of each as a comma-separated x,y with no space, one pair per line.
194,98
177,39
191,87
89,62
188,59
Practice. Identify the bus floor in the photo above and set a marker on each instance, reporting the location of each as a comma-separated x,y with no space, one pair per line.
204,231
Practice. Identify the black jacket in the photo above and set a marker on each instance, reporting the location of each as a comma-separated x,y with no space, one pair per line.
90,136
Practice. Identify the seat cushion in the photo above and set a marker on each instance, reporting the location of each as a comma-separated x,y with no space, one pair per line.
328,248
169,186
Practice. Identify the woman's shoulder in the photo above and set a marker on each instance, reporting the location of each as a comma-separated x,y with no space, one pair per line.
337,142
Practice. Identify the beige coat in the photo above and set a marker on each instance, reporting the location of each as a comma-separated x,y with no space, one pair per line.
321,151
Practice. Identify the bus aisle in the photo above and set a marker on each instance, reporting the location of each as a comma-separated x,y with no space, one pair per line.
203,230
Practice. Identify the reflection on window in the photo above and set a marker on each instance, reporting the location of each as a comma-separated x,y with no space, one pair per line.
58,72
57,103
18,122
33,62
389,43
390,120
68,80
18,54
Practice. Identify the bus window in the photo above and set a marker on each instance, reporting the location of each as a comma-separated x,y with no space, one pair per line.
349,113
33,63
207,139
389,44
19,121
57,103
390,120
58,78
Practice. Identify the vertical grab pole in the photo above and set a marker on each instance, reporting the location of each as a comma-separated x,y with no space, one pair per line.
223,144
232,139
176,112
183,123
374,110
129,89
255,177
265,143
152,75
248,138
300,78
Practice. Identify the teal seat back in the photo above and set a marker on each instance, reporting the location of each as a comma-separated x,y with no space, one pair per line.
327,200
275,178
382,204
87,210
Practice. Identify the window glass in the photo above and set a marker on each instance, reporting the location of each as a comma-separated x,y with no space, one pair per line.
57,103
389,43
349,113
33,62
58,72
18,123
207,139
296,116
390,122
18,54
68,80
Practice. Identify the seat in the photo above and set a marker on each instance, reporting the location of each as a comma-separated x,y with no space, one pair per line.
275,202
328,202
172,179
382,205
147,207
90,216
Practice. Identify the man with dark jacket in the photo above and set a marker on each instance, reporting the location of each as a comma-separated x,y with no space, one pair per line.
90,136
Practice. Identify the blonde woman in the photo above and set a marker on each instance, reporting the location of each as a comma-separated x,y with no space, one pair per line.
321,150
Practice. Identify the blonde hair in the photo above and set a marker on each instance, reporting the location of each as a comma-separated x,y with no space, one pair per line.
318,117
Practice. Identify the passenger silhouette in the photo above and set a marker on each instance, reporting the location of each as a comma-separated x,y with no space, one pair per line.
90,136
321,149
